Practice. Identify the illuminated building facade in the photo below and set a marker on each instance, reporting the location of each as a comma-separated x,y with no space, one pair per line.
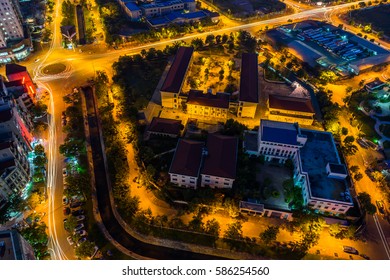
208,105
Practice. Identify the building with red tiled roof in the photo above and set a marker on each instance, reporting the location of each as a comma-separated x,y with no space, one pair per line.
208,104
175,77
249,86
186,163
164,127
220,161
291,109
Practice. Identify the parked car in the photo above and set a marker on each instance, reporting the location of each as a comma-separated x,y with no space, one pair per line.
64,172
81,240
66,211
80,218
65,200
78,227
381,207
78,212
350,250
365,256
76,204
70,240
81,233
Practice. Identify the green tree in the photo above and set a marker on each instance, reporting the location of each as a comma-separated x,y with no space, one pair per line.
233,235
36,235
212,227
85,250
365,202
270,234
70,223
196,224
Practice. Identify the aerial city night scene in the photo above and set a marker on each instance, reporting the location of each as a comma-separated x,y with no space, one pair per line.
195,130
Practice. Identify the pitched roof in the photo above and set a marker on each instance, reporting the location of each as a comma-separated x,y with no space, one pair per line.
221,159
218,100
279,132
162,125
291,103
249,78
187,158
176,73
14,68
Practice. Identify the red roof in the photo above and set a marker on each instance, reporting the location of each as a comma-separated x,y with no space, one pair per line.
221,159
249,78
162,125
291,103
187,158
176,73
218,100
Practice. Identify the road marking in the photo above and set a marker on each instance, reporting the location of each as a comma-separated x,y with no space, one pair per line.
382,235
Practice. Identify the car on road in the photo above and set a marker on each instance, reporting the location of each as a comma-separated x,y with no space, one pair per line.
78,227
80,218
81,233
350,250
381,207
65,200
76,204
66,211
78,212
70,240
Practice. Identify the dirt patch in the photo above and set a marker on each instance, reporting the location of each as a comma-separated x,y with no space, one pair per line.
54,69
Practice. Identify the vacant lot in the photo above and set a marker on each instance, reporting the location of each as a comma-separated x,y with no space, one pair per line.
377,16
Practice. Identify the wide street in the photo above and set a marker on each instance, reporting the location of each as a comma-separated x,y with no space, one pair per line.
81,65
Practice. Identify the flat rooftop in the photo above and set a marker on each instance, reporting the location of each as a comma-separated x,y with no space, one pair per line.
279,132
318,151
250,141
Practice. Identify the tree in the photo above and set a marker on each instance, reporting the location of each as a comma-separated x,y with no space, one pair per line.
269,235
358,176
327,76
197,43
210,39
34,200
85,250
365,201
233,235
39,109
212,227
344,131
70,223
354,168
37,237
196,223
39,161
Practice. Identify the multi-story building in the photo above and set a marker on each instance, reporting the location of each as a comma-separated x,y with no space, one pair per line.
211,165
14,42
11,27
14,247
164,127
14,166
16,72
186,163
220,162
208,104
248,97
290,109
318,170
175,78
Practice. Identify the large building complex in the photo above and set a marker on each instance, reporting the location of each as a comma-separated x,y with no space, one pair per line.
14,40
175,78
208,104
290,109
211,165
249,86
318,170
323,45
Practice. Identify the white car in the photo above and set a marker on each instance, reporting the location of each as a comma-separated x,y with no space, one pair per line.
70,240
65,200
78,227
64,172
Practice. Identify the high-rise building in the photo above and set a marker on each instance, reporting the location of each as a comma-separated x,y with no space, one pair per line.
11,27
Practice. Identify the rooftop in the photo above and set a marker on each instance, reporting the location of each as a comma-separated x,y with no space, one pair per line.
249,78
187,158
318,151
221,158
14,69
218,100
5,115
15,247
16,83
250,141
291,103
375,84
162,125
176,73
279,132
132,6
